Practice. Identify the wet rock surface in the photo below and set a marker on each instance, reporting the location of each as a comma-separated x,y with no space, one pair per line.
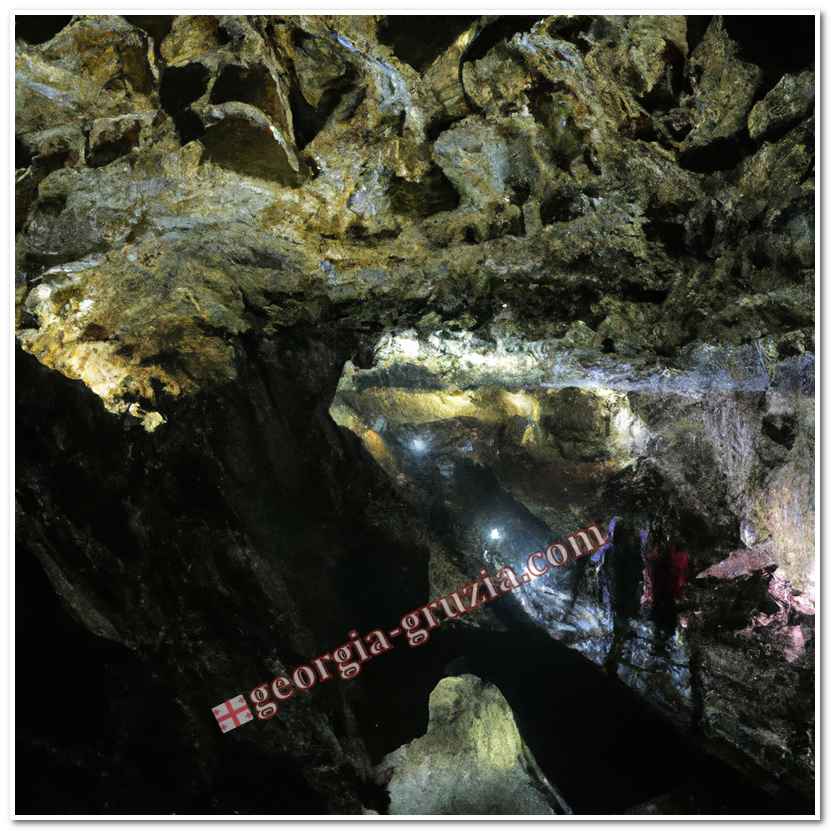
318,315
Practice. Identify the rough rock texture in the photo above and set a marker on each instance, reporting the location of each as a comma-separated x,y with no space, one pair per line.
548,270
472,759
788,102
685,459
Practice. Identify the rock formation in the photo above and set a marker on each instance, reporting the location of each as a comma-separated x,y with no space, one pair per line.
472,759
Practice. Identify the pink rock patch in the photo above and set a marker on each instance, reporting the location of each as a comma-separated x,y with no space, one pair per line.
742,561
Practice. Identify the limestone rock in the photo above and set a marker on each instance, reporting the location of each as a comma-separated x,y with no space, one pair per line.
472,759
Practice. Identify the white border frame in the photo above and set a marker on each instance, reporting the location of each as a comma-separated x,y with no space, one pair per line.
7,651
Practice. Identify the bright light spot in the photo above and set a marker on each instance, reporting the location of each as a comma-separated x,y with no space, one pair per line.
150,420
418,445
408,347
41,292
522,404
629,430
86,304
495,534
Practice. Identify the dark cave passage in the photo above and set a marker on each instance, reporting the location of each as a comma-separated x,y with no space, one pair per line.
596,740
603,747
501,481
606,749
777,44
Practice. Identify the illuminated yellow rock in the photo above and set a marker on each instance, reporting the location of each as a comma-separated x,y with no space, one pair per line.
472,760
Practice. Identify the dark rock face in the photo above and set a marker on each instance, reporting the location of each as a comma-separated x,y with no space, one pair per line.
187,586
319,316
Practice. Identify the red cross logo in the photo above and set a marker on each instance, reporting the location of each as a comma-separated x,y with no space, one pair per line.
232,713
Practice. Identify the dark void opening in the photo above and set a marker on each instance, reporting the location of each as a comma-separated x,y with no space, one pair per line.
777,43
309,120
432,194
156,25
640,294
180,87
696,27
419,39
606,749
249,84
558,207
665,92
22,154
781,429
38,28
722,154
667,233
503,29
112,150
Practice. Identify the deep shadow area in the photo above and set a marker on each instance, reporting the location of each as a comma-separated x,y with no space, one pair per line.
106,702
605,749
433,194
180,87
504,28
776,43
419,39
156,25
114,734
38,28
129,729
696,27
114,739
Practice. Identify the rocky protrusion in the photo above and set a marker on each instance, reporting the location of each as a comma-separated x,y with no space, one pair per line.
788,102
240,137
723,89
472,759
